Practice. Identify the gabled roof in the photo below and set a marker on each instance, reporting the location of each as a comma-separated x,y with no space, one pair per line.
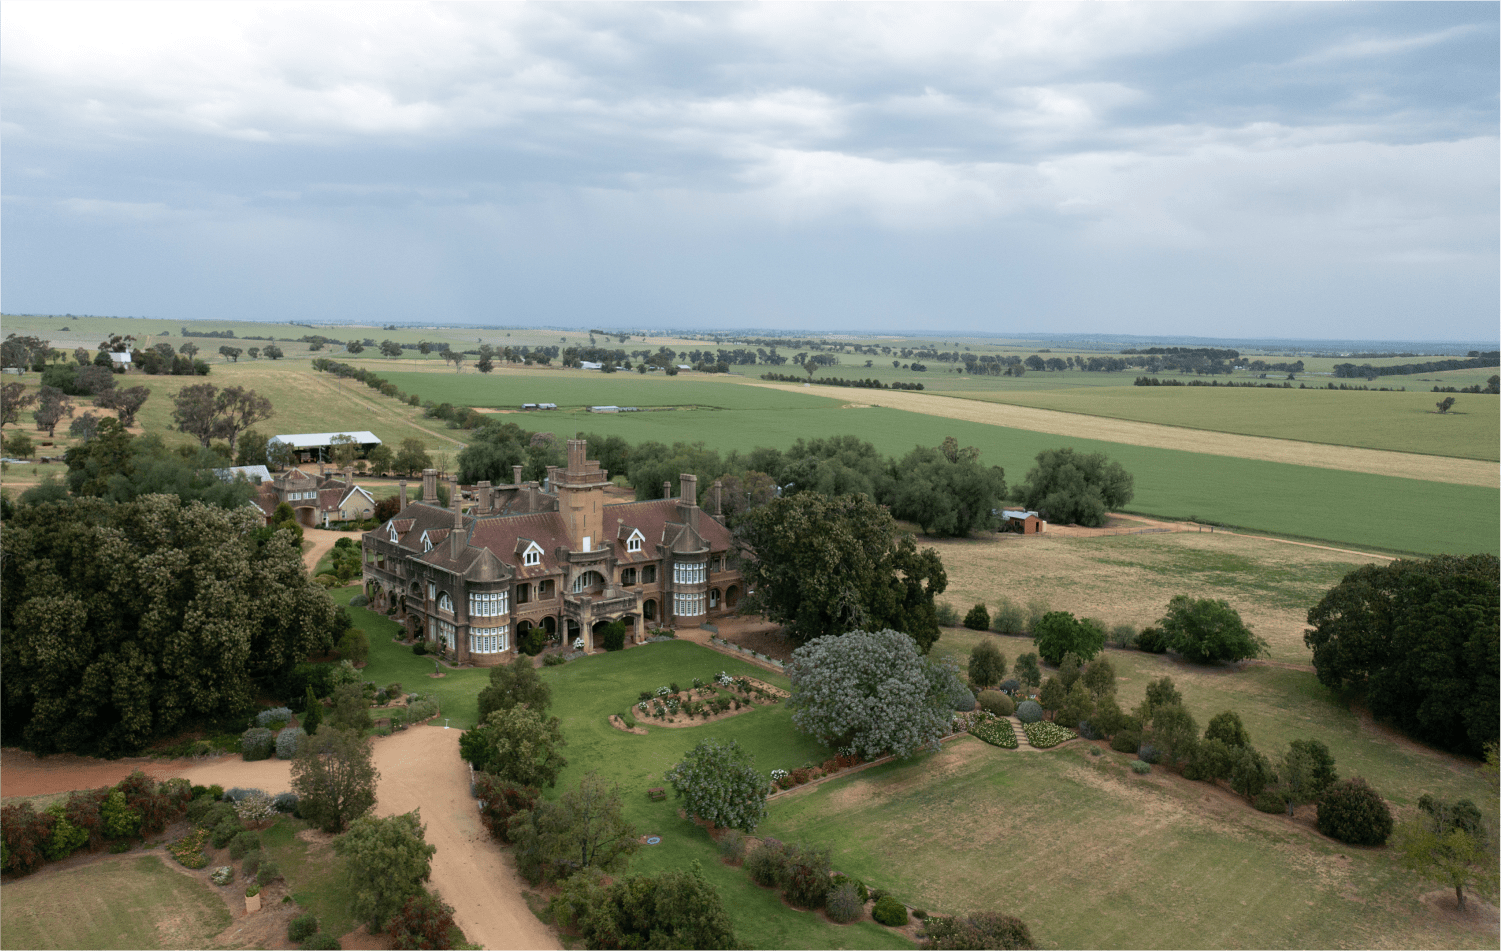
659,522
508,536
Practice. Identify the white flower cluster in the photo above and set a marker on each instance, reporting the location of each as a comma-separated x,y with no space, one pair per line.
778,774
663,691
724,680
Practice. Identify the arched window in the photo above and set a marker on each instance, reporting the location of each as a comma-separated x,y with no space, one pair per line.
589,579
445,603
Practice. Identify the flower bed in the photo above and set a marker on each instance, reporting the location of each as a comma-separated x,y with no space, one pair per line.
188,850
721,694
1045,735
996,733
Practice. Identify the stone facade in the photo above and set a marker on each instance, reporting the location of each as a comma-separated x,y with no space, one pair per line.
556,557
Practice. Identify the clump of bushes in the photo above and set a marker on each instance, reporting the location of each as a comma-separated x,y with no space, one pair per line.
981,929
1029,711
1140,767
1152,641
256,743
844,904
1044,735
805,877
274,718
996,733
288,740
996,703
301,928
242,844
766,862
890,912
1351,811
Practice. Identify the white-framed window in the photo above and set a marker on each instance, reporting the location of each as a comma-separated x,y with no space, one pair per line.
490,604
532,556
588,579
489,640
689,572
447,634
427,543
634,542
687,605
394,537
445,603
432,591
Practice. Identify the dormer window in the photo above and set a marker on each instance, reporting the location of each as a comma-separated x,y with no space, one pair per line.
532,556
634,542
427,543
394,537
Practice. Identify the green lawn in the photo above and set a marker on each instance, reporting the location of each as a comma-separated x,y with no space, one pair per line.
1403,422
314,874
587,691
1093,857
137,903
579,388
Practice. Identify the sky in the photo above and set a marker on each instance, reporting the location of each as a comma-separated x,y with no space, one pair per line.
1298,170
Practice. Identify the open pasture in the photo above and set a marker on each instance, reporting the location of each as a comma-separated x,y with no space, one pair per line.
1129,579
1091,856
1402,422
132,903
1350,508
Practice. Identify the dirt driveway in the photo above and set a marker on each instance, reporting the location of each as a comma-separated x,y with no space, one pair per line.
419,768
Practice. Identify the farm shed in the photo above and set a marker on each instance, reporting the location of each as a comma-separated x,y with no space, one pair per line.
314,447
1022,521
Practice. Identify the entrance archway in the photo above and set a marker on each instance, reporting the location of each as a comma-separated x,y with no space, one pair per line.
649,610
732,596
307,516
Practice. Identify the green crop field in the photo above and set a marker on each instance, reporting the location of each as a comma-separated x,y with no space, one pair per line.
1404,422
1404,515
137,903
1093,857
508,389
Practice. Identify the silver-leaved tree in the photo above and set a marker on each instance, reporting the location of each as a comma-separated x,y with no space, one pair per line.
719,784
872,693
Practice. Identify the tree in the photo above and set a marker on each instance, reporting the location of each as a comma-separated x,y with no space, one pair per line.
719,785
423,921
1351,811
412,456
584,829
355,346
189,349
1444,405
1227,727
390,348
1208,629
236,410
516,745
82,357
1053,694
230,354
1306,771
987,665
1445,843
13,399
825,565
385,863
84,427
381,459
92,381
272,352
195,411
343,450
673,909
1099,678
1059,633
1420,640
1173,731
946,490
1027,670
1070,487
53,406
868,691
19,445
456,357
514,684
334,777
253,448
125,401
1250,772
1069,669
978,619
350,709
255,353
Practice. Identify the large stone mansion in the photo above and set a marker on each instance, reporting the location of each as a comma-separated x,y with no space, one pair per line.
555,556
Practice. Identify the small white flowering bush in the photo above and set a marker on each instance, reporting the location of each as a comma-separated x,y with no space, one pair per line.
255,807
1044,734
996,733
663,691
221,875
724,679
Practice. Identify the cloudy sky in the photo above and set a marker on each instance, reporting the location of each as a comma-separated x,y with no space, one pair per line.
1268,169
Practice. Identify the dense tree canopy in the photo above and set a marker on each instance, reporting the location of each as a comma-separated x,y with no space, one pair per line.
1075,488
385,863
126,621
1420,640
1060,633
946,490
825,565
1208,629
870,691
517,745
495,448
117,466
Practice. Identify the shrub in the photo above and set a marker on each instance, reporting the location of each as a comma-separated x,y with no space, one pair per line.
1351,811
419,710
844,904
120,820
1123,635
500,800
1270,801
612,637
354,646
419,648
860,889
66,837
273,718
222,875
422,922
554,660
288,740
978,619
216,791
358,601
1028,711
1149,753
302,927
947,614
732,847
996,703
243,844
805,881
1140,767
237,793
1010,686
1152,641
1008,617
256,743
267,873
252,864
1126,741
982,929
322,941
285,802
1088,731
987,665
890,912
766,862
252,890
226,830
255,807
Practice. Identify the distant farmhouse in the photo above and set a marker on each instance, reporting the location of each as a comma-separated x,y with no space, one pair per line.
316,500
1021,521
556,557
315,447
